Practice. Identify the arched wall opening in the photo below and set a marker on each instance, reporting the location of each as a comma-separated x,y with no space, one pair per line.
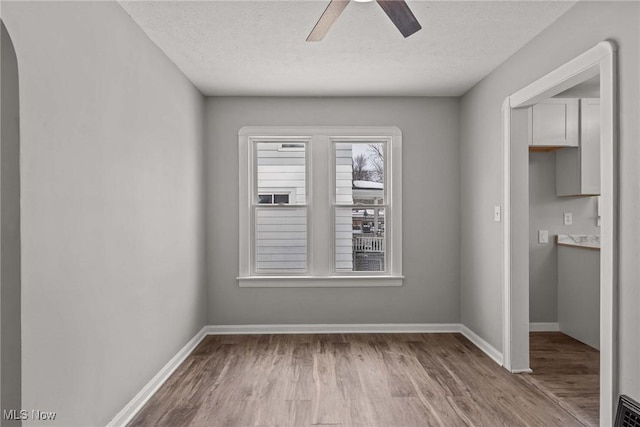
10,266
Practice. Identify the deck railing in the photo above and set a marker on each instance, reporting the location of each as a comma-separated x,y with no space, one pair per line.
368,244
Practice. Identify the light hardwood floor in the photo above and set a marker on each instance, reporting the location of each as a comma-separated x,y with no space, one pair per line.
348,380
568,371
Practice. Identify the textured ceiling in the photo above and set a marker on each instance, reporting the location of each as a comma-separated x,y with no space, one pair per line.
259,48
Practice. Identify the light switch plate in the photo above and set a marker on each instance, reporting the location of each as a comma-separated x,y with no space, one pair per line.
496,214
568,218
543,236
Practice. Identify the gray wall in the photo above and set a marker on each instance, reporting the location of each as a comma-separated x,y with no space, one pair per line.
10,357
431,213
112,208
545,213
576,31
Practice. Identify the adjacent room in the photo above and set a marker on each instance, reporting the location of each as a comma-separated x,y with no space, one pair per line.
323,212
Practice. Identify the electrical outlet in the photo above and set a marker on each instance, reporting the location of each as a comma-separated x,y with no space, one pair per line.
543,236
568,218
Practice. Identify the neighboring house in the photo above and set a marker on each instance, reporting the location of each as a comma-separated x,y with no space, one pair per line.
368,227
281,234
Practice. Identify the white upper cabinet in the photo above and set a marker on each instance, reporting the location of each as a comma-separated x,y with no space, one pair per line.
555,123
578,169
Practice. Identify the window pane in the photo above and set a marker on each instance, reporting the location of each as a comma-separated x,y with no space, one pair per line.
281,240
265,199
360,173
360,241
281,198
281,172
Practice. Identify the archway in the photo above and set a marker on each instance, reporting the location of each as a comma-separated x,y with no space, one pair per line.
10,289
599,60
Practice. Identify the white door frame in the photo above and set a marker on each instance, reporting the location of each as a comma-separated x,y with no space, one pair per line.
597,60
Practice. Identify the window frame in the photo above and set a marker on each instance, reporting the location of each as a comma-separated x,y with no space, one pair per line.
320,162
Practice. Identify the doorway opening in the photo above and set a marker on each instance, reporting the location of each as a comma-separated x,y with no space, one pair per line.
564,249
595,65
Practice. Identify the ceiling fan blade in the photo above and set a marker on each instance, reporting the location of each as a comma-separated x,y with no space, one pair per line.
401,16
327,19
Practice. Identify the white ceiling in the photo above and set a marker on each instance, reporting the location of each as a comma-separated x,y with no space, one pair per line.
259,48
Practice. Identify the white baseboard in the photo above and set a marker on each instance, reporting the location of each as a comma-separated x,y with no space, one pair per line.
333,328
131,409
483,345
522,371
544,327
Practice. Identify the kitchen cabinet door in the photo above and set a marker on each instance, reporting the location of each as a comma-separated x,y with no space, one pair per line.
578,169
555,123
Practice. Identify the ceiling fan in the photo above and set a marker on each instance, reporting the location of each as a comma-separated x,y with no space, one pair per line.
397,10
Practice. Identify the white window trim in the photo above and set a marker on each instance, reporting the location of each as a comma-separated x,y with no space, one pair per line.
320,252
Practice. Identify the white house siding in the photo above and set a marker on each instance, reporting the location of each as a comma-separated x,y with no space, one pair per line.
281,232
281,170
344,195
281,239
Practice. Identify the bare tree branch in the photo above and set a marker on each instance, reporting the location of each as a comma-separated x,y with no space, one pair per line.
360,172
377,161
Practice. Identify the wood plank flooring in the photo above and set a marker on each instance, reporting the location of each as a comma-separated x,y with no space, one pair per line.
347,380
568,371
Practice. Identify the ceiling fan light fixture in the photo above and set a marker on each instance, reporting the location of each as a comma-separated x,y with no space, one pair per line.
363,1
397,10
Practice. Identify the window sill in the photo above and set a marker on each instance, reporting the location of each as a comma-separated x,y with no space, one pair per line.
320,281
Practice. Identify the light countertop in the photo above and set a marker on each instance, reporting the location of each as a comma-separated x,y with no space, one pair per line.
587,241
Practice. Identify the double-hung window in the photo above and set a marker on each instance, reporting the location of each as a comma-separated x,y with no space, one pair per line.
320,206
